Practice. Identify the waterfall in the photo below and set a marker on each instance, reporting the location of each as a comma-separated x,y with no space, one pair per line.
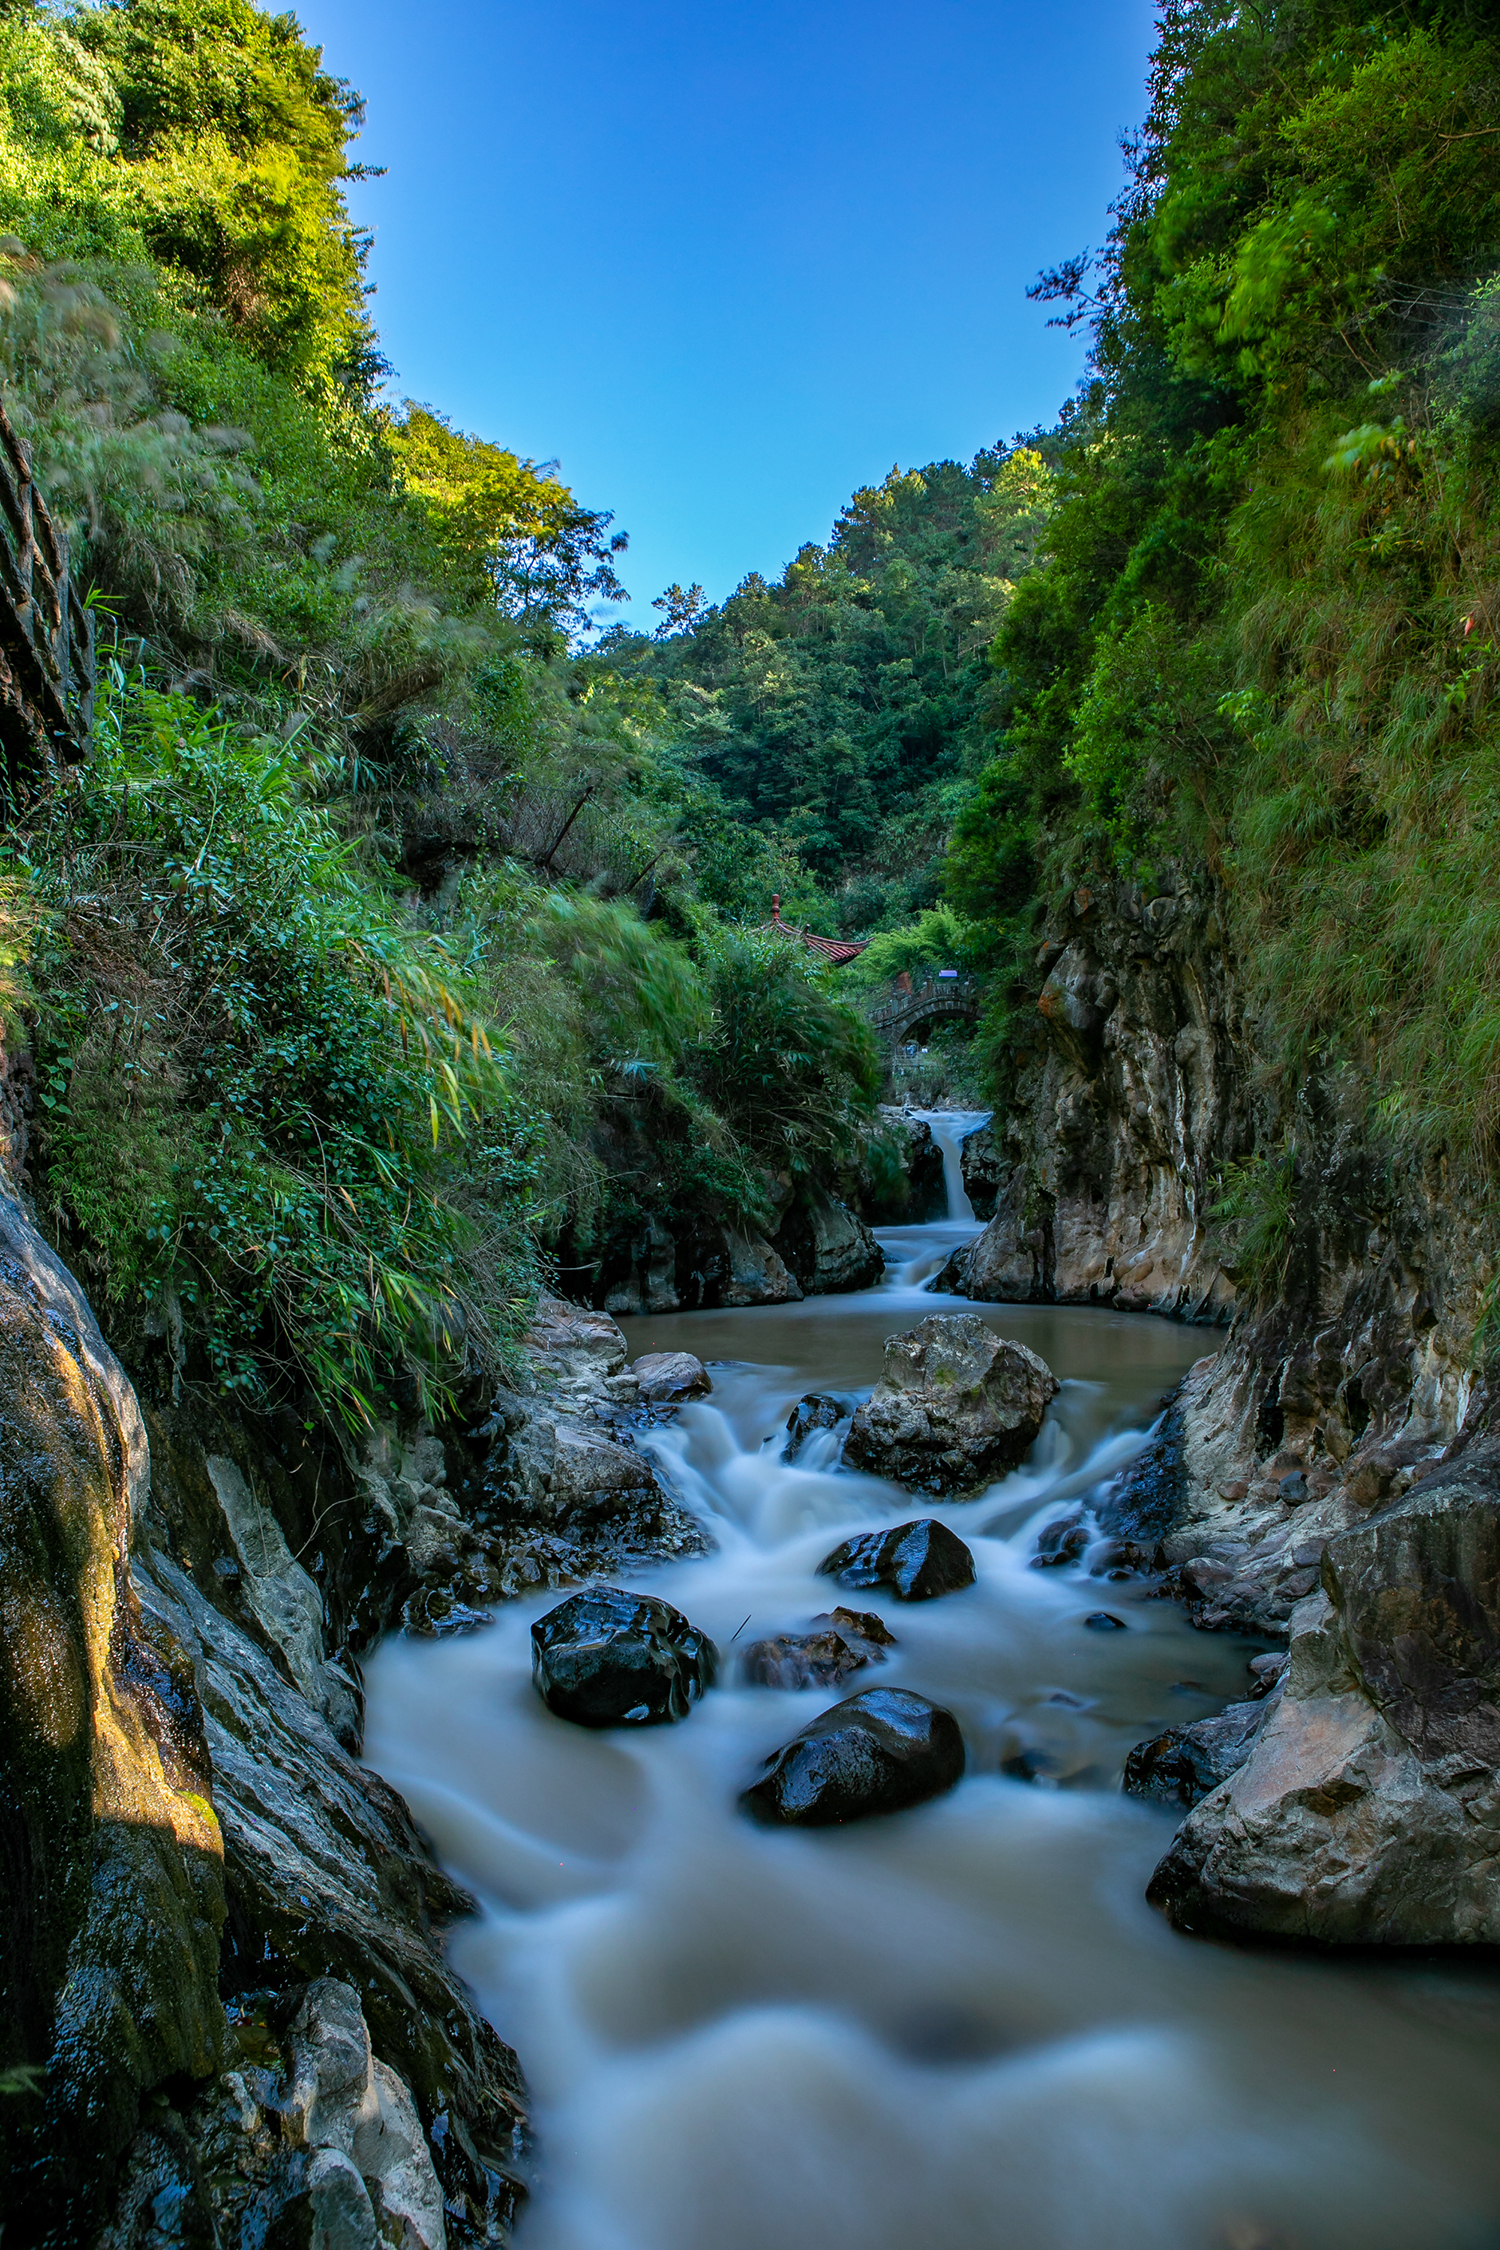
950,1128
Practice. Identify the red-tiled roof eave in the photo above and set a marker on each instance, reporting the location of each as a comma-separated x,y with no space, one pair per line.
837,950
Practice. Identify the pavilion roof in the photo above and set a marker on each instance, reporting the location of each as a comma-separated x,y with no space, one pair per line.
837,950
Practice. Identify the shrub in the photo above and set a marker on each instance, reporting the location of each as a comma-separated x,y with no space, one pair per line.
254,1083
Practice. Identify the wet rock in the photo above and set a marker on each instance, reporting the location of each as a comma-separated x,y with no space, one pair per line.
371,2179
917,1560
920,1193
815,1412
1065,1541
800,1660
1182,1765
572,1343
665,1378
563,1497
984,1170
841,1642
1266,1670
1369,1809
650,1286
1027,1765
607,1658
877,1752
754,1273
1104,1621
327,1877
858,1625
955,1405
280,1596
113,1897
827,1247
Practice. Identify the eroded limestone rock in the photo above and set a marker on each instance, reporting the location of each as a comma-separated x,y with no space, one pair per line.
956,1404
1368,1811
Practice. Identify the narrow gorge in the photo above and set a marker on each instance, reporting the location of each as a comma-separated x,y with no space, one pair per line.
749,1467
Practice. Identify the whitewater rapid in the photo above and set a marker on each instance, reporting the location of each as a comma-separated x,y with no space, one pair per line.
955,2028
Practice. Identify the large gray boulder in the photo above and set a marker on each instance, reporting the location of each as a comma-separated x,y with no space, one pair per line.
955,1405
1369,1809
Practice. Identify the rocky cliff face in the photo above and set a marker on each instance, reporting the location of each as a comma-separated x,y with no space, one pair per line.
1345,1382
818,1247
1135,1098
225,2012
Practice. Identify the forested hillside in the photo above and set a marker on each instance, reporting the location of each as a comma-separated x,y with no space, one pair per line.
1235,614
848,708
1262,639
335,959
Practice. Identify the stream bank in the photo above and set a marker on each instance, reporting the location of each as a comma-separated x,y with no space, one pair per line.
1327,1444
965,2009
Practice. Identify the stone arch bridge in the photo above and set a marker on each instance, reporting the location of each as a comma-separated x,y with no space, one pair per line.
911,1007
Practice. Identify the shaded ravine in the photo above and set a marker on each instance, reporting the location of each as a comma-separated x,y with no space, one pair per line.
960,2026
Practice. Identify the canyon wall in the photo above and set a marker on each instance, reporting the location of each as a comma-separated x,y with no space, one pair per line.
225,2011
1343,1403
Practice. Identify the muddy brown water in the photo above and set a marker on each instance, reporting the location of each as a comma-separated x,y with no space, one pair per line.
954,2029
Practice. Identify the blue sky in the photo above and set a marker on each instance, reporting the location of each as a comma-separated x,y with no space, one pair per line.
726,263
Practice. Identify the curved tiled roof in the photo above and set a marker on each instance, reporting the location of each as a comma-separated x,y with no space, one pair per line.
832,949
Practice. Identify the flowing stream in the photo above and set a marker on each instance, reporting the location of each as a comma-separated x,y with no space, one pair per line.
960,2027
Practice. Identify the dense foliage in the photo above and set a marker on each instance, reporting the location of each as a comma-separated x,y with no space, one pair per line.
844,708
384,914
1264,640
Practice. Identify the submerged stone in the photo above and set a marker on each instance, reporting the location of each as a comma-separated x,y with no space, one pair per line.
606,1658
917,1560
858,1624
1182,1765
1105,1621
799,1660
842,1641
877,1752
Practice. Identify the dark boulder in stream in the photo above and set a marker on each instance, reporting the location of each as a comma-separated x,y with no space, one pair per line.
605,1658
843,1641
1185,1764
877,1752
955,1405
918,1561
815,1412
